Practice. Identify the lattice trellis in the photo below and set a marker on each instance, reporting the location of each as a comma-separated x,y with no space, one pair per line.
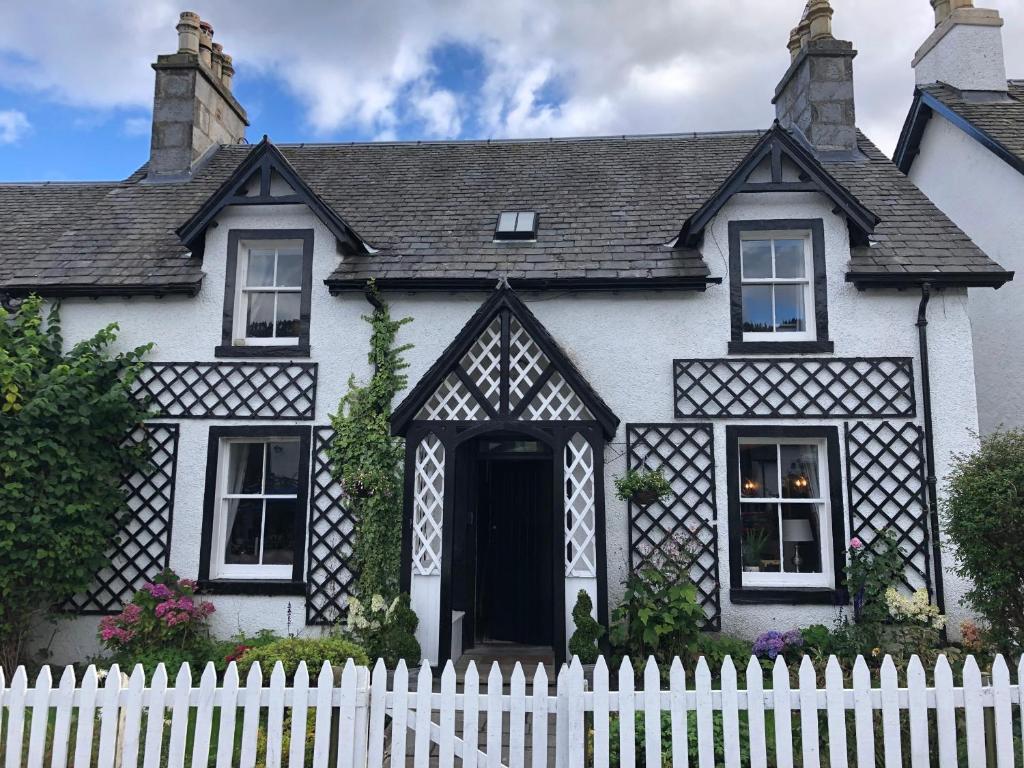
451,401
332,531
795,388
483,363
580,514
142,545
428,506
230,390
684,454
526,363
885,470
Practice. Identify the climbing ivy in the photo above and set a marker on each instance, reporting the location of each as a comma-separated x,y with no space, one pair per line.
368,460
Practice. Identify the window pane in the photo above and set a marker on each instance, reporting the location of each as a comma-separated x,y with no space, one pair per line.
800,472
789,258
507,222
759,471
279,533
260,318
760,537
245,468
524,223
789,308
242,545
801,534
283,467
757,258
287,324
260,271
757,308
289,269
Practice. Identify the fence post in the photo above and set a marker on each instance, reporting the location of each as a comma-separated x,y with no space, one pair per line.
990,724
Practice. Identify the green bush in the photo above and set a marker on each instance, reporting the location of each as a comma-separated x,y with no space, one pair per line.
386,631
635,481
312,650
984,519
714,647
870,572
583,642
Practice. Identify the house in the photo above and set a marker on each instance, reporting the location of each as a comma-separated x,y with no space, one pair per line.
777,320
963,145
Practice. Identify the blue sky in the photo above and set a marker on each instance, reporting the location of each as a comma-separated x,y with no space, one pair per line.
76,86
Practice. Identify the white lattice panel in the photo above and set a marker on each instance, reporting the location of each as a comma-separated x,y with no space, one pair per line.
526,362
451,401
428,506
580,521
557,401
483,363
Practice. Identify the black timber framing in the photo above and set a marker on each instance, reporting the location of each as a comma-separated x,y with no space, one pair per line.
476,284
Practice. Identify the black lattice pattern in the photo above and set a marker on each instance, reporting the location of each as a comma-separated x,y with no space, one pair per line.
230,390
795,387
685,454
143,544
332,530
886,479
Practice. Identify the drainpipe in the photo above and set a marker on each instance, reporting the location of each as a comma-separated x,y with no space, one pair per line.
932,500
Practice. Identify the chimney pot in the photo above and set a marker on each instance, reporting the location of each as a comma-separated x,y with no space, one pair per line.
804,27
206,43
188,32
965,50
217,60
819,16
794,43
941,10
227,71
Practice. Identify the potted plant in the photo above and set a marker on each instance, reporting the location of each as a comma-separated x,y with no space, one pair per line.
754,543
642,488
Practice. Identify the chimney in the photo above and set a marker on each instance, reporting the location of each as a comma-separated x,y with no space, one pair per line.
193,107
815,97
965,50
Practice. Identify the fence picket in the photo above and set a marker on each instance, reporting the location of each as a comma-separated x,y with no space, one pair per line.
575,714
755,714
362,716
471,716
945,714
275,717
783,714
228,714
424,687
627,716
494,691
917,698
601,715
974,713
891,738
705,716
322,716
864,726
250,716
62,703
562,717
836,707
347,716
1020,695
808,715
446,754
110,708
4,702
652,714
399,715
378,692
730,713
154,720
16,717
204,715
1003,712
300,715
539,718
517,719
40,718
179,718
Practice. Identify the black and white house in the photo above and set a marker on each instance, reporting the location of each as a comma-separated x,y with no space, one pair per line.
777,320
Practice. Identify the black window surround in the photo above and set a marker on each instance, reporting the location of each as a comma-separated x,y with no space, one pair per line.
786,595
294,586
821,343
235,236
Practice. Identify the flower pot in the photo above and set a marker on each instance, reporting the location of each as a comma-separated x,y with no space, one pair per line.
644,498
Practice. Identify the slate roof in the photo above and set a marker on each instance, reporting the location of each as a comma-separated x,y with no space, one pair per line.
1000,119
607,208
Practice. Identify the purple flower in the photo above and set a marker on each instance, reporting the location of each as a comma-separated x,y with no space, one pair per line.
793,639
769,645
159,591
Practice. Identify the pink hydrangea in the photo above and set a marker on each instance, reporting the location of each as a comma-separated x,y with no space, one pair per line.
159,591
131,613
188,584
856,543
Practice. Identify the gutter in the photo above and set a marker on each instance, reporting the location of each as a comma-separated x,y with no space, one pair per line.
95,291
589,285
981,279
932,499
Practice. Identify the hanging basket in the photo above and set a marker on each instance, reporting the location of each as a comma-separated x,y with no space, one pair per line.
644,498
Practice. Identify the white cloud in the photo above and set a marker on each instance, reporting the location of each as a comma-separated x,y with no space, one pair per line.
136,126
13,125
617,66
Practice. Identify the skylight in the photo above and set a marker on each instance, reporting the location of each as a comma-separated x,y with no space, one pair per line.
516,225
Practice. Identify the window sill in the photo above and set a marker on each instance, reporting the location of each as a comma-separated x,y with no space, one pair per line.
788,596
780,347
299,350
247,587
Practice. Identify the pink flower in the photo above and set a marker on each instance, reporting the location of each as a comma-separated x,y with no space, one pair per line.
856,543
163,608
159,591
189,584
131,613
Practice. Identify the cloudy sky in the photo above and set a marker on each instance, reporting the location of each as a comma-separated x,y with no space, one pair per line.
76,86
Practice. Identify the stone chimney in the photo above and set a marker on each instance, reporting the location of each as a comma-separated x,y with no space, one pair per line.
193,108
965,50
815,96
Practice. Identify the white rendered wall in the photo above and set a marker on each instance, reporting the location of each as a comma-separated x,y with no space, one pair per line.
985,197
623,344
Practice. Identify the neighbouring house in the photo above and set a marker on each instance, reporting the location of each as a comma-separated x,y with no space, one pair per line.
777,320
963,145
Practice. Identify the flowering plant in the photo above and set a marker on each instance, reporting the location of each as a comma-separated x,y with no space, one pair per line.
771,644
163,614
871,571
916,609
385,629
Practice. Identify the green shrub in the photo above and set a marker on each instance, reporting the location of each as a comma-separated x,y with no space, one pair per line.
635,481
870,572
386,631
312,650
583,642
817,640
984,519
715,646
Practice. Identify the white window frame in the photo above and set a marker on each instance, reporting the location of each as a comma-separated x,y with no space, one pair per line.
239,339
824,501
810,332
220,569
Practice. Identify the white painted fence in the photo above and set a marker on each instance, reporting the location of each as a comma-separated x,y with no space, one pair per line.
365,721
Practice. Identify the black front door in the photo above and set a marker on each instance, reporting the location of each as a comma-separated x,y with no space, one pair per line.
514,543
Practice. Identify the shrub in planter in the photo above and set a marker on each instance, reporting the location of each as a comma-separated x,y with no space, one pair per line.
583,642
386,630
312,650
642,488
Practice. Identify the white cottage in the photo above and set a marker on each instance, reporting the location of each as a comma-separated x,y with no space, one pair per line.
777,320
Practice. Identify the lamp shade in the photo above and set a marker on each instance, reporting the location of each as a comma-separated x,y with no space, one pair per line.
797,530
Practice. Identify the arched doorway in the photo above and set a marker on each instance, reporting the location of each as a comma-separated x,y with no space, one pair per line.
503,388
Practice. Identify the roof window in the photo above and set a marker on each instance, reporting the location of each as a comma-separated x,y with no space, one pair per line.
516,225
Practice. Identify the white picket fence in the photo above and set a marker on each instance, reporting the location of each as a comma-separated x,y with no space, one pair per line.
367,721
